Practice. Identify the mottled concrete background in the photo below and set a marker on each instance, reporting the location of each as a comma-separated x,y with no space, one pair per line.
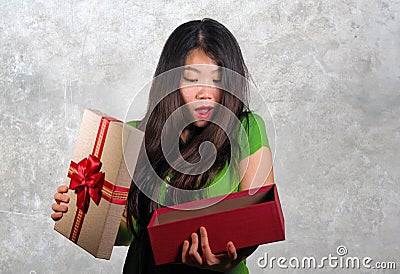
329,70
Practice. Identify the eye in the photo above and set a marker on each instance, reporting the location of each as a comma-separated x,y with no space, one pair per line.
189,80
217,81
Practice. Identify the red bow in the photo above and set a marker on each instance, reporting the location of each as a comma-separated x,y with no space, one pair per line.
87,182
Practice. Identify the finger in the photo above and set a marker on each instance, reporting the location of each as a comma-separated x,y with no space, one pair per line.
230,247
58,197
59,208
194,254
62,189
185,249
205,246
56,216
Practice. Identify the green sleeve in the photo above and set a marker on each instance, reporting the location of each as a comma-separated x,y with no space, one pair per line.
256,135
133,123
124,235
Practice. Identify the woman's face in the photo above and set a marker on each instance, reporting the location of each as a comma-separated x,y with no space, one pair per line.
199,86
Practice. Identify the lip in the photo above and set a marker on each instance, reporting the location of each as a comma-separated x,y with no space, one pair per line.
205,115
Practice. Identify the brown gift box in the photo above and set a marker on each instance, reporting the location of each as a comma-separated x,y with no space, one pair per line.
103,147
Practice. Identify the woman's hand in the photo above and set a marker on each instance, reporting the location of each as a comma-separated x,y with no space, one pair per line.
57,207
207,259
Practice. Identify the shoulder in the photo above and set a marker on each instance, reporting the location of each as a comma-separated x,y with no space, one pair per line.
253,123
251,118
254,135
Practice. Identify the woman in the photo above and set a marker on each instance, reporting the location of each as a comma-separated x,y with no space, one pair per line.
201,52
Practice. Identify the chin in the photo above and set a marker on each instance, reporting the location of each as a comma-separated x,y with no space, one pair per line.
201,123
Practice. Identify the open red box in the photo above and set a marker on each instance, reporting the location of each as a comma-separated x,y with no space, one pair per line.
244,219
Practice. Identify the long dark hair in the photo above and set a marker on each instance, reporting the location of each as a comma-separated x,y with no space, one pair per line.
216,41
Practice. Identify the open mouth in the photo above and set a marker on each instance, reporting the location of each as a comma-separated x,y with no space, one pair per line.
203,112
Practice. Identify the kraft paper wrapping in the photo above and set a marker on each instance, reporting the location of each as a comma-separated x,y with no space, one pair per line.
101,222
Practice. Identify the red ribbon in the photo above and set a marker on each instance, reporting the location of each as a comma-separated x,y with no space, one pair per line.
87,182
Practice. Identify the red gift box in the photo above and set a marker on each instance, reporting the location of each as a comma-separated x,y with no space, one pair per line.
244,219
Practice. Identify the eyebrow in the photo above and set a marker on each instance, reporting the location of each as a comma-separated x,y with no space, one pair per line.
198,71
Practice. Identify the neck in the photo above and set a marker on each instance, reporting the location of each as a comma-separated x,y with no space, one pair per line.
190,132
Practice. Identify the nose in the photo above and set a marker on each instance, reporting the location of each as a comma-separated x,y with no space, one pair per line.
205,92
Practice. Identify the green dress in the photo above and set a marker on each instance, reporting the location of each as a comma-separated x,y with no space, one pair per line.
254,138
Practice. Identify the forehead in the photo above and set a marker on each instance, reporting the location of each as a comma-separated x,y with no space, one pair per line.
198,57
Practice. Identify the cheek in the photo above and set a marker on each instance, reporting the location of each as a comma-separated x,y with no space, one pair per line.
218,96
187,95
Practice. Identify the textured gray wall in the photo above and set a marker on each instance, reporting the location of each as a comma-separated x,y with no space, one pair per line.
329,71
